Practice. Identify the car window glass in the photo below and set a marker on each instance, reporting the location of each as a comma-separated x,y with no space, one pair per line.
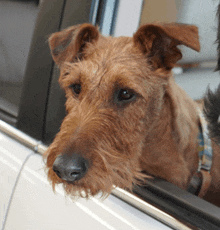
16,29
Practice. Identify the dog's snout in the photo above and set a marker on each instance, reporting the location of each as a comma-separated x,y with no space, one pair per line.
70,167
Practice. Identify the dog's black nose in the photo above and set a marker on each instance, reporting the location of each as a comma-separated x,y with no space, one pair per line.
70,167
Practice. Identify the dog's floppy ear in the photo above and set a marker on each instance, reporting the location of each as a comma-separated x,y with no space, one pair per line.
68,45
159,42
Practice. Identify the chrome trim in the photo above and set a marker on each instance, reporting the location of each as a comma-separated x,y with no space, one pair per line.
131,199
23,138
94,11
108,17
149,209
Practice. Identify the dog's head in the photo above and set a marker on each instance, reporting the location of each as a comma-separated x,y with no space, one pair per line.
115,91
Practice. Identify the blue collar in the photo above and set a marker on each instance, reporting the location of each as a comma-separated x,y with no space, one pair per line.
205,145
201,180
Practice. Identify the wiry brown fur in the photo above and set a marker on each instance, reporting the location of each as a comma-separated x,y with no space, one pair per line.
156,133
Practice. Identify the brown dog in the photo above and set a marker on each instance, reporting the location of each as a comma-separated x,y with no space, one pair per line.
126,117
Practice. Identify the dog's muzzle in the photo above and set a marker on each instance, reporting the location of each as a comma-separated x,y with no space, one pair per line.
70,167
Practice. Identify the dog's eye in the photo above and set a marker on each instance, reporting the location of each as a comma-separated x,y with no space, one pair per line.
125,95
76,88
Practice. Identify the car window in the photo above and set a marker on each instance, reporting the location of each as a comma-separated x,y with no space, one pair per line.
16,29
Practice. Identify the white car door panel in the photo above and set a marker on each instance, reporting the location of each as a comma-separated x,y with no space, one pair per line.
34,206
